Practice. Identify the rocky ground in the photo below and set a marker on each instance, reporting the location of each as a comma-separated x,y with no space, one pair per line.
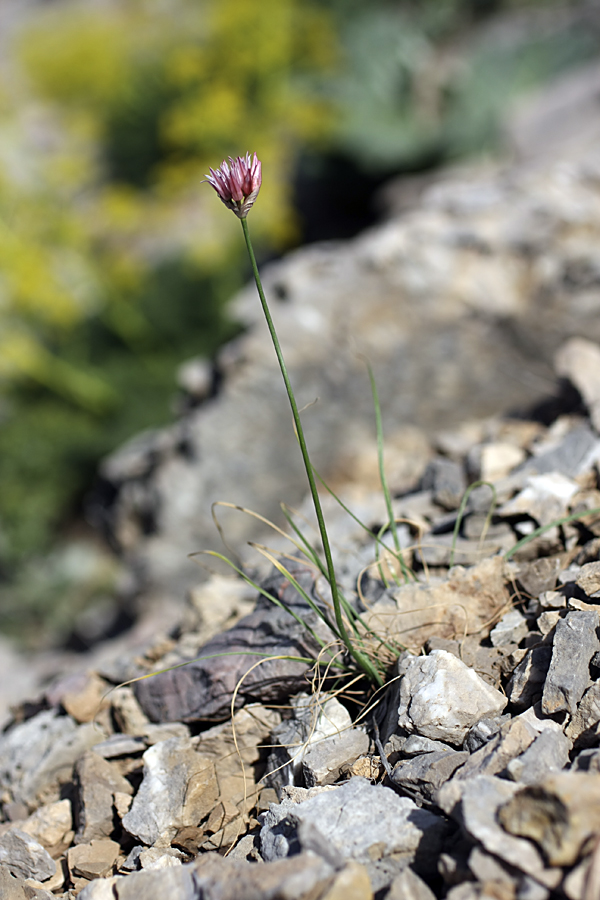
474,773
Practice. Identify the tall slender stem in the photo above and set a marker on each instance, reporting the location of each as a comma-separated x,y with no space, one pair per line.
362,660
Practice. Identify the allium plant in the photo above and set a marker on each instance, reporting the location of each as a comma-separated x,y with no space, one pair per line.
237,185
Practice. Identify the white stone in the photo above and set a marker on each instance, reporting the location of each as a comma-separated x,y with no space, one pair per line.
441,697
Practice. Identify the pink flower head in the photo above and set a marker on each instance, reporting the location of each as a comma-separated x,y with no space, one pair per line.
237,184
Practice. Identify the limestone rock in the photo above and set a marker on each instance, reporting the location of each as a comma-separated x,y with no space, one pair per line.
560,814
468,601
408,886
441,698
341,823
51,825
584,726
575,642
579,360
425,774
24,856
459,293
96,783
526,684
40,753
548,753
93,860
14,888
350,883
511,629
513,738
179,788
475,803
326,759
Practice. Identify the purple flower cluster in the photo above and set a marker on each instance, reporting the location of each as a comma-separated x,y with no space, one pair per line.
237,184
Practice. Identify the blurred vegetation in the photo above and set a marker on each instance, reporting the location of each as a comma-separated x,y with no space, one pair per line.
116,262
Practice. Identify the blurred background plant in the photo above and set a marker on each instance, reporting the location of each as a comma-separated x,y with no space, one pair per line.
116,264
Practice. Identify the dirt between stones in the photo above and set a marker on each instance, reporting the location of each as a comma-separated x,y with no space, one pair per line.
474,773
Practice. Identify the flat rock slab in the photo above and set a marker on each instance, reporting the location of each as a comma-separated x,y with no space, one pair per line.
466,603
441,697
179,788
575,642
93,860
357,821
202,690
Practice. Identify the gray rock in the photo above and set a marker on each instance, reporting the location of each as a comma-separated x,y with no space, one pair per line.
548,753
571,457
214,878
13,888
545,497
342,822
179,788
587,761
483,731
539,575
492,758
575,642
474,803
24,857
486,868
415,745
584,726
40,753
408,886
446,479
298,878
561,815
120,745
174,883
160,858
588,579
324,760
511,629
444,549
526,684
579,361
96,783
315,718
428,772
441,698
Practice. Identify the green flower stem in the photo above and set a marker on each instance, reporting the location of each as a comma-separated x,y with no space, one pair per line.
362,661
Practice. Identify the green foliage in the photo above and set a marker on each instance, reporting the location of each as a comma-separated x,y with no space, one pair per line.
425,82
115,261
